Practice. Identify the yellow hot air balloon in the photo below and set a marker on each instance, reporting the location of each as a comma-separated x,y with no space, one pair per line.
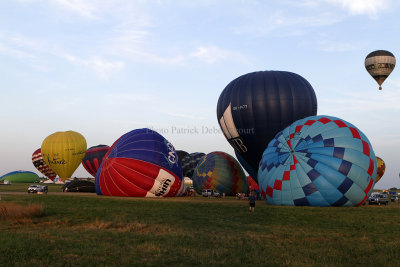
63,152
379,65
380,166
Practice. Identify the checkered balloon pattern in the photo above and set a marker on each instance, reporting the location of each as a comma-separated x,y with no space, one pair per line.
318,161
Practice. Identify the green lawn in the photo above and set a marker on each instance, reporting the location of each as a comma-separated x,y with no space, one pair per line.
90,230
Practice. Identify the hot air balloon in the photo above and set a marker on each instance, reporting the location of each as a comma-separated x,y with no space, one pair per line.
79,185
189,163
221,172
379,65
380,166
141,163
246,166
20,177
254,107
318,161
63,152
39,164
93,158
181,154
252,184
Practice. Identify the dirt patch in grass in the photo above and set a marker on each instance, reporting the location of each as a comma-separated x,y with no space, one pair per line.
20,214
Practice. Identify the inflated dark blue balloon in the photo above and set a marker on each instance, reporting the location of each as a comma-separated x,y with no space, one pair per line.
318,161
254,107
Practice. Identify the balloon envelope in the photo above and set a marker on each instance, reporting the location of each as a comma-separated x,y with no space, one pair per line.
189,163
63,152
93,158
79,186
221,172
318,161
38,162
381,167
141,163
254,107
380,64
20,177
181,154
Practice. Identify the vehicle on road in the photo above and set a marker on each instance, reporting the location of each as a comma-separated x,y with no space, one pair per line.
379,199
36,188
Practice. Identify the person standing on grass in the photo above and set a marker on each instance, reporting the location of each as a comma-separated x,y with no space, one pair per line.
252,200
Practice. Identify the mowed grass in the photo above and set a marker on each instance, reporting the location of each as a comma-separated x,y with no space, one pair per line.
23,187
76,230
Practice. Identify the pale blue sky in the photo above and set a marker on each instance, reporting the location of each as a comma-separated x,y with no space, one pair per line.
102,67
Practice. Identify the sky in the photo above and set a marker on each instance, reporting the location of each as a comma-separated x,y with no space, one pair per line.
103,68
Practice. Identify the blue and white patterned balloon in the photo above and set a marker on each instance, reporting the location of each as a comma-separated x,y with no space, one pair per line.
318,161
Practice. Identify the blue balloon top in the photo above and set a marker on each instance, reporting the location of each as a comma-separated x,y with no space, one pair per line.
318,161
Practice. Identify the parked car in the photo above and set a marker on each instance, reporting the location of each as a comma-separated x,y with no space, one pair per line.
378,199
36,188
210,193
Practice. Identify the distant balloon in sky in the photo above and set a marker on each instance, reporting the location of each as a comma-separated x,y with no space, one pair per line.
221,172
189,163
63,152
379,65
39,164
254,107
318,161
381,167
93,158
141,163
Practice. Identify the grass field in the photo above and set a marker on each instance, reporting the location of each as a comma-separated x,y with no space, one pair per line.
90,230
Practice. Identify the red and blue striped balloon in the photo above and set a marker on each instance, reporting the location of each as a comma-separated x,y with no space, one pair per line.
141,163
93,158
318,161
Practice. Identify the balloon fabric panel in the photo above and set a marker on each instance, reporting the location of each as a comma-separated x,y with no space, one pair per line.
221,172
304,165
40,164
254,107
63,152
93,158
140,163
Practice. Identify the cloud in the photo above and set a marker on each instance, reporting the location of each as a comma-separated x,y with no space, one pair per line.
335,46
185,116
125,98
361,7
212,54
101,66
81,7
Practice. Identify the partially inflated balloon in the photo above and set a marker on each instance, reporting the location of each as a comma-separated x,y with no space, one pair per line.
318,161
93,158
246,166
20,177
252,184
221,172
380,165
63,152
141,163
38,162
189,163
181,154
253,108
379,65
